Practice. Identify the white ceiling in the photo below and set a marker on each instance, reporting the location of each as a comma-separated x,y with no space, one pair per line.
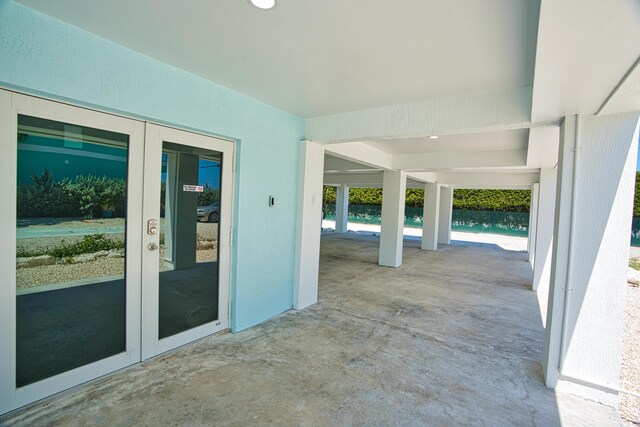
313,58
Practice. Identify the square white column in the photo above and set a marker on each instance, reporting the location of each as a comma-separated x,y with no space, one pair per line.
587,294
544,230
430,216
446,212
308,225
533,223
342,208
393,193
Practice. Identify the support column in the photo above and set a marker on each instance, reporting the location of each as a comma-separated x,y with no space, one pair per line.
342,208
533,223
544,230
394,187
446,212
430,216
308,225
587,295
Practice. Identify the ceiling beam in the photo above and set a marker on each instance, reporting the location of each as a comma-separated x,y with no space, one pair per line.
460,159
360,153
488,180
504,110
366,180
542,150
336,164
363,180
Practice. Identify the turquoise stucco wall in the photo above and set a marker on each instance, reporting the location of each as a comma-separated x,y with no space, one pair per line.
42,55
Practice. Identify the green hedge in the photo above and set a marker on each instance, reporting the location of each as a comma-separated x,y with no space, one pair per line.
485,200
85,196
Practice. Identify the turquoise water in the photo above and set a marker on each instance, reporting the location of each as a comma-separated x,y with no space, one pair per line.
635,232
505,223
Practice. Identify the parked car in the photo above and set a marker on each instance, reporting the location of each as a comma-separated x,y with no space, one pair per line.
209,213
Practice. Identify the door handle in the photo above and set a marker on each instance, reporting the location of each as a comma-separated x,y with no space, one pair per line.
152,246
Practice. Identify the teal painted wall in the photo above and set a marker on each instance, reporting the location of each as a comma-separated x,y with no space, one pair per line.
42,55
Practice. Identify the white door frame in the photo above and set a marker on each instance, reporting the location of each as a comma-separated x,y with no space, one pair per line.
155,136
140,321
11,105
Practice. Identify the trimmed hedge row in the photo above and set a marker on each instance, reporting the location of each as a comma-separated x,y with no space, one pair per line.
484,200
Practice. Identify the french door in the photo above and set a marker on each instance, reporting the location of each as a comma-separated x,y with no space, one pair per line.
187,201
105,259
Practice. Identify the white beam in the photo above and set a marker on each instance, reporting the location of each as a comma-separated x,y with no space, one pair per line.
366,180
503,180
308,225
626,96
542,150
509,109
355,180
457,159
430,216
423,177
361,153
342,208
336,164
393,193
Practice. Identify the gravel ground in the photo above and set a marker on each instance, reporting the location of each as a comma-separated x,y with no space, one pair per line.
630,373
61,273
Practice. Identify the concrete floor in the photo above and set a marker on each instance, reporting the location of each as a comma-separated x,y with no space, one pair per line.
452,337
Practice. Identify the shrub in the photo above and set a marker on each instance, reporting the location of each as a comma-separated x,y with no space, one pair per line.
209,196
83,196
89,244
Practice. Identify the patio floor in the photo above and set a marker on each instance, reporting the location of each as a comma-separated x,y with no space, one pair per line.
452,337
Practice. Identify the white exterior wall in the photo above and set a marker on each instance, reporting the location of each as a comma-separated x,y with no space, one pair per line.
309,225
393,192
430,216
533,223
544,230
446,211
583,337
342,208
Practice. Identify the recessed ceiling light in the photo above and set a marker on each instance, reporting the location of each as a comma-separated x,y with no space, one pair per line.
433,137
263,4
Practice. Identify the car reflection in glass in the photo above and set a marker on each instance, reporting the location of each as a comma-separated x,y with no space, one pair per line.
209,213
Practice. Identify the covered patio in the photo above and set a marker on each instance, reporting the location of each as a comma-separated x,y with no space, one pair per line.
452,336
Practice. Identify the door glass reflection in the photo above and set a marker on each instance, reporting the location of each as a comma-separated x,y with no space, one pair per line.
71,224
188,256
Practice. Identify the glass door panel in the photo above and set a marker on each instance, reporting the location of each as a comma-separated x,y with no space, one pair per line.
70,247
187,206
188,253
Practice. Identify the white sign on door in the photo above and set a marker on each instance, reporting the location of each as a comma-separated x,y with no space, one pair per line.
193,188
